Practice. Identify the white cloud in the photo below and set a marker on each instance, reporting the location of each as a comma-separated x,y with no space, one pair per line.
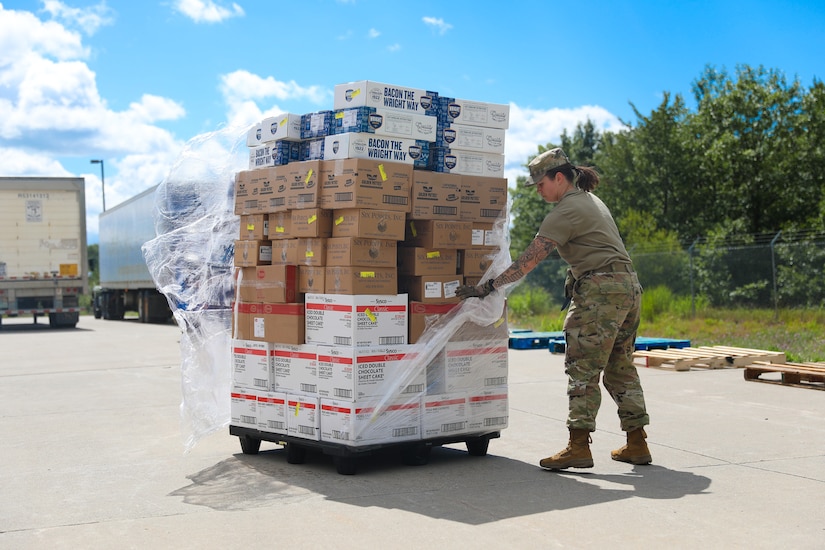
394,47
23,37
88,19
207,11
437,24
373,33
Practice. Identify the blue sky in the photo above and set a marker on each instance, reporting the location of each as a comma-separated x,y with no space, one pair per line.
132,82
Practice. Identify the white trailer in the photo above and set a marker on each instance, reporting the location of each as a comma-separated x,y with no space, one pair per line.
43,256
125,281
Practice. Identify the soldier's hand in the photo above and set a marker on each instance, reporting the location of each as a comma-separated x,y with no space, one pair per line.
470,291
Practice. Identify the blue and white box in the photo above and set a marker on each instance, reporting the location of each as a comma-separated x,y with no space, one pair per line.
316,125
467,163
370,146
284,126
312,149
276,153
470,138
385,122
473,113
366,93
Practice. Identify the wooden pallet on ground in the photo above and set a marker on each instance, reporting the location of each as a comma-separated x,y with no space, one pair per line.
801,375
705,357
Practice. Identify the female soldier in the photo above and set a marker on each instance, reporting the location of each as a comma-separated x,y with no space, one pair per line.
600,327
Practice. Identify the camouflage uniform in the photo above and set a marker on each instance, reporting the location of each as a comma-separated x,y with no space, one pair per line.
600,332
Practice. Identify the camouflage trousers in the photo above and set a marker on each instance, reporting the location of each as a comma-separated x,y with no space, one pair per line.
600,333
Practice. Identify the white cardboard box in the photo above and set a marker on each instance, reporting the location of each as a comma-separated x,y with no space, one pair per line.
475,365
372,422
272,412
243,407
387,96
471,138
353,374
473,113
356,320
283,126
250,362
385,122
294,368
444,415
380,148
302,417
467,163
253,136
488,410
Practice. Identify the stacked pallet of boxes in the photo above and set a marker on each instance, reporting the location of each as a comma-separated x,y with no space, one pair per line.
357,226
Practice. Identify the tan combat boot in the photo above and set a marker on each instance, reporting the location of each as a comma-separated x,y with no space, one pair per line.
576,455
636,451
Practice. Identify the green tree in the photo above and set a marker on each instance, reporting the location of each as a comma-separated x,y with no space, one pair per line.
93,253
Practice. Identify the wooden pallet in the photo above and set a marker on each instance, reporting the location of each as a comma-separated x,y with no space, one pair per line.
801,375
705,357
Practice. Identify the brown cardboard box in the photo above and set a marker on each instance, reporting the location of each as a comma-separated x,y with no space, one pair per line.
497,331
285,251
277,323
254,227
302,184
474,262
280,225
435,196
431,289
368,223
252,253
268,283
247,189
483,199
311,222
361,252
363,183
361,280
423,315
274,197
311,279
311,251
438,234
484,236
426,261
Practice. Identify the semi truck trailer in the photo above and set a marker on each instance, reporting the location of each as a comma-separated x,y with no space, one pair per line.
125,282
43,256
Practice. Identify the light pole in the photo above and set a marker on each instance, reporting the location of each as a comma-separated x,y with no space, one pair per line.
102,181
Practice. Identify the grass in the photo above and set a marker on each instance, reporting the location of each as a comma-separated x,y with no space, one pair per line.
799,333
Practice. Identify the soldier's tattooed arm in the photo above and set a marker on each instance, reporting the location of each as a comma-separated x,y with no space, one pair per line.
536,251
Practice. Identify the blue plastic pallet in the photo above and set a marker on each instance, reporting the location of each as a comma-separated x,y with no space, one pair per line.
526,339
642,343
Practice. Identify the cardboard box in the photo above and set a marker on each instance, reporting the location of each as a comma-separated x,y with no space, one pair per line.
435,196
254,227
250,364
277,323
470,138
311,251
384,122
484,236
271,190
285,252
361,183
243,407
361,280
388,96
275,153
280,225
358,373
473,113
382,148
311,222
311,279
469,163
438,234
368,223
313,149
494,332
268,284
294,368
279,127
444,415
413,260
272,412
302,184
474,263
423,316
349,320
488,410
316,125
302,417
474,365
253,253
254,135
431,289
375,422
352,251
247,189
483,199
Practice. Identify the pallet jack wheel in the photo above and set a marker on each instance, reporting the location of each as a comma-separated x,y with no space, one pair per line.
295,454
250,445
477,446
346,465
416,455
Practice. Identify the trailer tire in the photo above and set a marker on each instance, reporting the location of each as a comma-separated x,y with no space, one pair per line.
249,445
346,465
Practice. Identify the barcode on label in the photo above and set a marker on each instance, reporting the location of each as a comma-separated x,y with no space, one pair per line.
306,198
310,388
414,388
338,434
306,430
343,197
275,424
445,210
496,381
390,340
260,383
342,340
277,201
453,426
339,392
489,213
403,432
246,419
495,421
394,199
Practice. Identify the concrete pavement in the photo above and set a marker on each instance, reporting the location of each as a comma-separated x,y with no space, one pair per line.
92,456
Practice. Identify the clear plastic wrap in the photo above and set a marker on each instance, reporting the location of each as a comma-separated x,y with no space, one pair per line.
191,261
